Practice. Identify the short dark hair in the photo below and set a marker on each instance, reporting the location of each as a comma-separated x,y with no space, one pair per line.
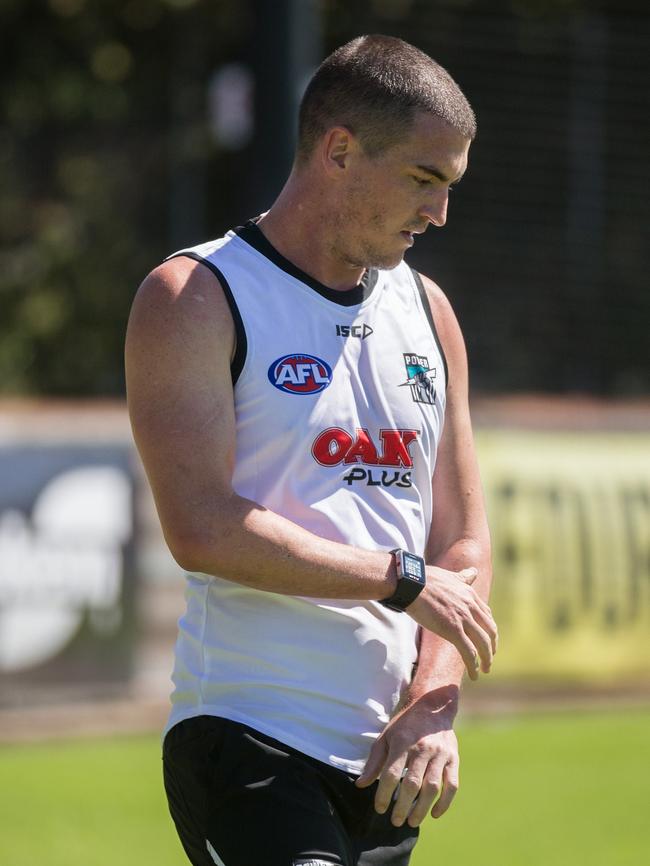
374,85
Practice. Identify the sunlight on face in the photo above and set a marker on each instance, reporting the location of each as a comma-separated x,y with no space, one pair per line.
391,197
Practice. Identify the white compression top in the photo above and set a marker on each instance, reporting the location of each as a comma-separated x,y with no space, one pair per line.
339,401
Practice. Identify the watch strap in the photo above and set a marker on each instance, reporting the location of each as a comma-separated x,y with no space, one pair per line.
411,580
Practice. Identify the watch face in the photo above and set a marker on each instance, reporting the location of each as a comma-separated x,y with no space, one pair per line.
413,567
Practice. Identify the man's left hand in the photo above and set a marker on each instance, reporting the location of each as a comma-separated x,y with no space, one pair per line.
418,752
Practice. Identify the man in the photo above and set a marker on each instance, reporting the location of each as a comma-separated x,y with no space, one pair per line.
287,386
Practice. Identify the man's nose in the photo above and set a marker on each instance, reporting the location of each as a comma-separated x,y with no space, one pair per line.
435,209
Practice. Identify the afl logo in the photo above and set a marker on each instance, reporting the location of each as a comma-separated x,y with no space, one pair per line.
300,374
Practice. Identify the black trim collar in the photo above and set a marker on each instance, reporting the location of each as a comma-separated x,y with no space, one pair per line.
253,236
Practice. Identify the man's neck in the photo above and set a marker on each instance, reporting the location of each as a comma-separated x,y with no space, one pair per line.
294,225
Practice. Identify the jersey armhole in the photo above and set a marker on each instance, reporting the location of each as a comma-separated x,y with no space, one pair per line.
241,342
426,306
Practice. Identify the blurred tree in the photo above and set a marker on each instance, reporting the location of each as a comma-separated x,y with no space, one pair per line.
95,97
108,163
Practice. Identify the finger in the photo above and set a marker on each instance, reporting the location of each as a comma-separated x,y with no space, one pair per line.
467,652
431,785
483,613
375,762
482,642
409,789
388,782
488,625
468,575
449,789
485,607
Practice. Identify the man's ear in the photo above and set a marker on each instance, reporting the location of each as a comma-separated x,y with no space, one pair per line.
338,148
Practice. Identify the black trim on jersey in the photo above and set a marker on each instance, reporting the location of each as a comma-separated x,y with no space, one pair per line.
253,236
429,314
241,342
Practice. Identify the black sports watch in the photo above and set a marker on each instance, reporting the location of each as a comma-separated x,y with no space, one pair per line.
411,580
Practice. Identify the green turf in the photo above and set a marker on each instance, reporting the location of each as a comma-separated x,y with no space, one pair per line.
554,791
558,790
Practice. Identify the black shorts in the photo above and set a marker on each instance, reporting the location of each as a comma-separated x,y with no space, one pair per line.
239,798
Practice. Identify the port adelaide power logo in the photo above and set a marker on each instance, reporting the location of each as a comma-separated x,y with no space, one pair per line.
300,374
420,378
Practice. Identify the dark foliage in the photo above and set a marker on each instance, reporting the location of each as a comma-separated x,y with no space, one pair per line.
107,164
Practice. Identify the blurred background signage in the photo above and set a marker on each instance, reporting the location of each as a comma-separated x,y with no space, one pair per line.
569,511
66,569
570,520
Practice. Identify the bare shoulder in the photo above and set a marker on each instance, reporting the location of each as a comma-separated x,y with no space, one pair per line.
179,390
180,296
180,341
448,329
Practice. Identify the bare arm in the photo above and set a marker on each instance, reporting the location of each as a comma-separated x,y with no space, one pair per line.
459,536
419,743
180,342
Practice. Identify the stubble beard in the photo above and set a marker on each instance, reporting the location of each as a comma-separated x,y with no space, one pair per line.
360,251
381,259
370,256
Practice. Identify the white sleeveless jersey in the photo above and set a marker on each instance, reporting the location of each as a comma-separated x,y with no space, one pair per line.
339,401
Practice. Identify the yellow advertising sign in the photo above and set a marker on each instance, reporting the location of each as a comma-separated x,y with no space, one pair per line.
570,521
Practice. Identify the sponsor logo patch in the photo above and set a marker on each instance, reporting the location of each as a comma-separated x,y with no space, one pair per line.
336,446
300,374
420,378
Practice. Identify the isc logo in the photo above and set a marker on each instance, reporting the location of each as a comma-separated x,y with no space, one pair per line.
300,374
360,331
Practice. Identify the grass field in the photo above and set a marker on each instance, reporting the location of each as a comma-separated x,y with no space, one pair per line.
558,790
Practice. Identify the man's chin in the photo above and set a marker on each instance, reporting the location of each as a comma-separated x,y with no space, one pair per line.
383,261
377,258
387,264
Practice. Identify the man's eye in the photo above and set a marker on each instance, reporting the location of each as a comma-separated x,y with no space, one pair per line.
422,181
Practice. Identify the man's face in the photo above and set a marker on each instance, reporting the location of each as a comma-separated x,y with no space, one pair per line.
392,197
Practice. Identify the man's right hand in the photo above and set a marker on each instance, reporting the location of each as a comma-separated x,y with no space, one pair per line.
450,607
